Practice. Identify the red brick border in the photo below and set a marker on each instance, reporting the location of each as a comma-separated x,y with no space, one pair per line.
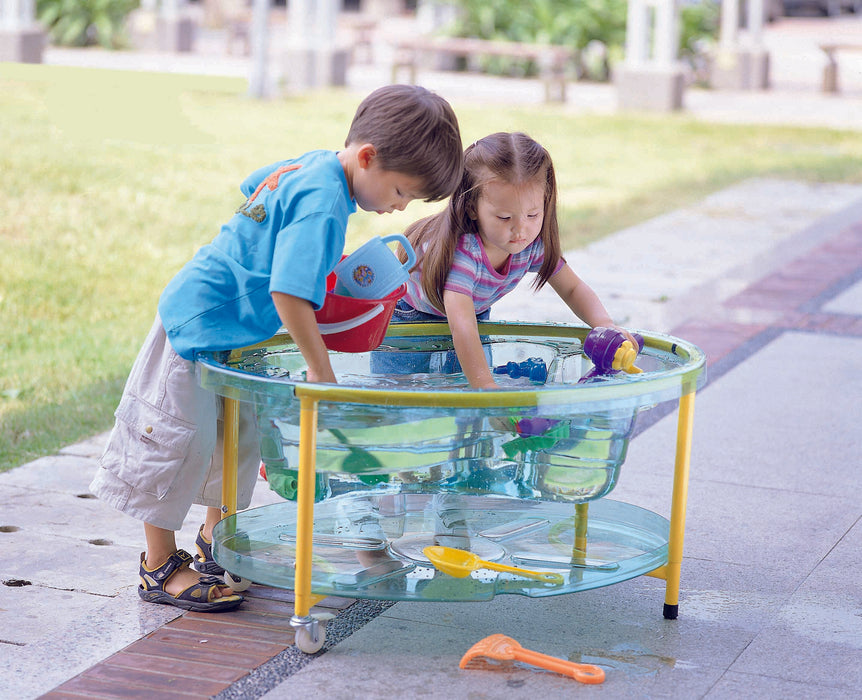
198,654
785,293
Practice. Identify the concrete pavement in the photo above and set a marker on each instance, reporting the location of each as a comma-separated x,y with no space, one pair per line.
768,602
766,276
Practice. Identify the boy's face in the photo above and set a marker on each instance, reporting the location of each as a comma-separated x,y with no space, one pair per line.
384,191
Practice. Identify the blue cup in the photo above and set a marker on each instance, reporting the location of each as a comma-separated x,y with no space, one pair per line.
373,271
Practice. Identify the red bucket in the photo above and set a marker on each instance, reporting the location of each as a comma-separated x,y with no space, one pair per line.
355,325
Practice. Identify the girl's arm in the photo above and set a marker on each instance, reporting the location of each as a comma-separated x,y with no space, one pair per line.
461,315
582,300
297,315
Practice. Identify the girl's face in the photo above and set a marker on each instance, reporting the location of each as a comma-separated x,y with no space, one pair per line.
509,217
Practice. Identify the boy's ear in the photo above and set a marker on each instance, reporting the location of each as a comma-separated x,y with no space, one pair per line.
365,155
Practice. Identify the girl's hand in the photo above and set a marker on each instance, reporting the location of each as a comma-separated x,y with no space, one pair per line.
461,316
627,334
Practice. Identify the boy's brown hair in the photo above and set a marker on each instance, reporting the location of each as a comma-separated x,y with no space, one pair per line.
415,132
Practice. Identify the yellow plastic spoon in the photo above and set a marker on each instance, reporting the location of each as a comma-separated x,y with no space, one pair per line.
458,563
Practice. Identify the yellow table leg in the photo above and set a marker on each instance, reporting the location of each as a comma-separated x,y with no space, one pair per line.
679,499
305,506
230,460
579,546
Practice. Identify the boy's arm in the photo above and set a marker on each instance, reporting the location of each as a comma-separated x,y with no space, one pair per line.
297,315
461,315
582,300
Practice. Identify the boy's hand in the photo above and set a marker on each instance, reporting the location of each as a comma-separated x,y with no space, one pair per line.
297,315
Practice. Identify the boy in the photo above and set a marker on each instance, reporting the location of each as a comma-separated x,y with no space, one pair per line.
266,268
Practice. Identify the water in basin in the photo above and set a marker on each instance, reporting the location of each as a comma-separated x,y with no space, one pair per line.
558,454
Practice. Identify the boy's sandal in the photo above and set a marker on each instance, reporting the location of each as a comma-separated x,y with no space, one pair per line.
204,561
202,596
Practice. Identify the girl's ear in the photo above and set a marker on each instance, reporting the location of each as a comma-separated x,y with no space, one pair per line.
365,155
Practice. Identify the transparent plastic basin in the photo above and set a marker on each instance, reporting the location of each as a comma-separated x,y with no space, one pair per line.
428,432
588,545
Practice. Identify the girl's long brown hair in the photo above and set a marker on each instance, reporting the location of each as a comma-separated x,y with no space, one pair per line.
513,158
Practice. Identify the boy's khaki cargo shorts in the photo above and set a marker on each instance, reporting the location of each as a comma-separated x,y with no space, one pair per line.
165,450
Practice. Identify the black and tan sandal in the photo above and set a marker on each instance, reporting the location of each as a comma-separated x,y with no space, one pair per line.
202,596
204,561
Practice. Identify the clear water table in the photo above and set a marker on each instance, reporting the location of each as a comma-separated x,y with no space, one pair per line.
402,454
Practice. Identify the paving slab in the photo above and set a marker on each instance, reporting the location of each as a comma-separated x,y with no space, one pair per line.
772,534
658,273
848,302
765,583
61,633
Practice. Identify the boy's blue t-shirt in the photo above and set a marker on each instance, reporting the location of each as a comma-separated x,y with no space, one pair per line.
287,237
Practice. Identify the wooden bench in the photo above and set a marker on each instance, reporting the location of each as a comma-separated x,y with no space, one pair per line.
552,61
830,70
361,29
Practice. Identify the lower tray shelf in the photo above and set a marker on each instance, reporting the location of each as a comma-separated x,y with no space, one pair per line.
370,545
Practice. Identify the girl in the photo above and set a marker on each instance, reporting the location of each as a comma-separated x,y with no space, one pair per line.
501,223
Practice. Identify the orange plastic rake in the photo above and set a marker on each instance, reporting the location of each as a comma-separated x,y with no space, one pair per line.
503,648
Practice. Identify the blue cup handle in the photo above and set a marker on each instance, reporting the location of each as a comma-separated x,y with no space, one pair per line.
411,254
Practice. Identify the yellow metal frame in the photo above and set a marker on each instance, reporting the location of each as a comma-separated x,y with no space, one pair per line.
305,599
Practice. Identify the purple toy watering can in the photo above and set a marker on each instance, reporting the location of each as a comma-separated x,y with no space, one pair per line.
611,351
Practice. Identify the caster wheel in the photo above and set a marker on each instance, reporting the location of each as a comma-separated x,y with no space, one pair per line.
305,642
238,584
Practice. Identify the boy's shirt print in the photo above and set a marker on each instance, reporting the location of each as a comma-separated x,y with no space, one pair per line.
287,237
258,211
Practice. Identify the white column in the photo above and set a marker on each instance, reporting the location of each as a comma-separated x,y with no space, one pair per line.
21,37
170,9
729,24
651,76
312,57
431,15
637,32
666,36
174,27
17,14
755,22
258,82
741,61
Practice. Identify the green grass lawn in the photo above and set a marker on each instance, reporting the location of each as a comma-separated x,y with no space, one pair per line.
111,180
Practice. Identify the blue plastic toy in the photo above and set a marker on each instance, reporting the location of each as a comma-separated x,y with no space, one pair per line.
533,368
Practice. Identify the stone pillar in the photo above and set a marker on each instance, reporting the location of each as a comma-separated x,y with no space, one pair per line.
741,61
312,58
759,71
258,80
432,15
141,25
22,40
175,30
651,76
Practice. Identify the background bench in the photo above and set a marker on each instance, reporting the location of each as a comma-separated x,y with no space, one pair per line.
552,61
830,70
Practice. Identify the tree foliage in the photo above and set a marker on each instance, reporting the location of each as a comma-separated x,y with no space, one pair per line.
566,22
578,24
86,22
